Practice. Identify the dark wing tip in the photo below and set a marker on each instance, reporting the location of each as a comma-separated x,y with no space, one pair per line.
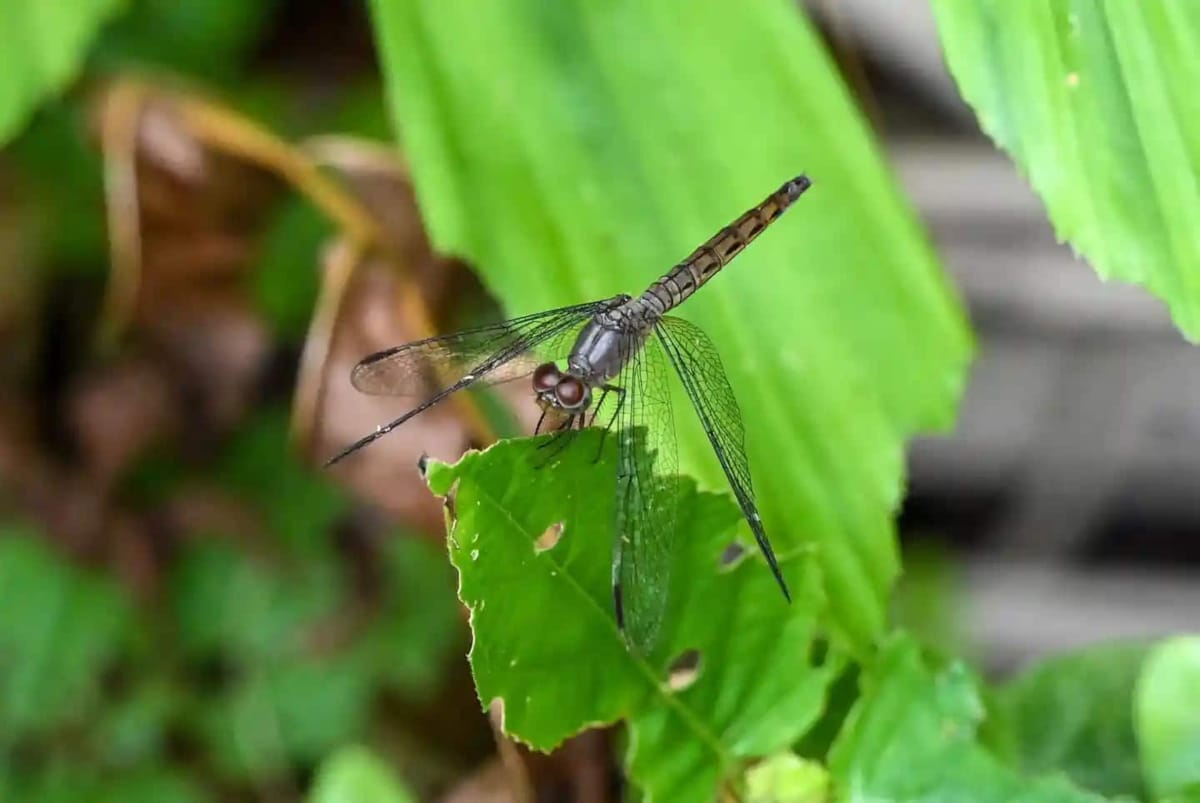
769,554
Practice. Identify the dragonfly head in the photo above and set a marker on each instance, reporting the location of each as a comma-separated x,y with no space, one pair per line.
563,391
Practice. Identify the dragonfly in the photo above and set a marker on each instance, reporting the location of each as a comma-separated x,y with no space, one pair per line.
604,363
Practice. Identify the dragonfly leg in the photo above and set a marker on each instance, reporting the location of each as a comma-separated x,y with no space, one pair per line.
620,391
561,428
562,438
538,429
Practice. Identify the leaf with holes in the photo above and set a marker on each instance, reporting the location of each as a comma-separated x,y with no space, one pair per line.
573,150
736,674
1096,102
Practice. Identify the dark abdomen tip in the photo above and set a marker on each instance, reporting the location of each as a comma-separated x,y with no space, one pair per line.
796,187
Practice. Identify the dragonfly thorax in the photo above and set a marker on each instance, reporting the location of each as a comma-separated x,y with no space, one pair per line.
606,345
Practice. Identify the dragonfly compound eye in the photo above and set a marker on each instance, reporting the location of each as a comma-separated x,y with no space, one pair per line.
571,393
545,377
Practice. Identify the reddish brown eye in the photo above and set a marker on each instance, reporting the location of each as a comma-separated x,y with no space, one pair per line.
570,392
545,377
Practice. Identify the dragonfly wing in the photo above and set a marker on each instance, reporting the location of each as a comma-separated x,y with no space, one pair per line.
698,365
646,499
484,351
493,354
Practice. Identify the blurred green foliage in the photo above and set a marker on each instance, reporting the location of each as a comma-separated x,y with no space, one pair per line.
355,775
912,736
1167,719
235,662
58,630
1073,714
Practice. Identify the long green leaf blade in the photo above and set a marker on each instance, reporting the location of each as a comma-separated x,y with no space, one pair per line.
1096,102
577,149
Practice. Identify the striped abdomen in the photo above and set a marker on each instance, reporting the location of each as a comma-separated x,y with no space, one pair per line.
703,263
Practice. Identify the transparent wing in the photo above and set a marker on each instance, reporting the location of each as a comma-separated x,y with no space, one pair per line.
492,354
647,497
474,356
699,367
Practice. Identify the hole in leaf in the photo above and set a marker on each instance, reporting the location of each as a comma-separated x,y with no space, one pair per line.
732,555
684,670
496,713
549,539
818,651
449,511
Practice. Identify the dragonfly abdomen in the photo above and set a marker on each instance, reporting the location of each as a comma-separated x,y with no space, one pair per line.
719,250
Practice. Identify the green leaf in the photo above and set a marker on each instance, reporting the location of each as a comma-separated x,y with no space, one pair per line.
912,737
44,44
59,629
1168,719
356,775
787,778
547,647
575,150
1096,102
1074,714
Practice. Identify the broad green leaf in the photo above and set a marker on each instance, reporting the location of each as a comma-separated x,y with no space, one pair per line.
577,149
787,778
1074,714
912,737
1168,719
1096,102
356,775
42,47
59,629
548,651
